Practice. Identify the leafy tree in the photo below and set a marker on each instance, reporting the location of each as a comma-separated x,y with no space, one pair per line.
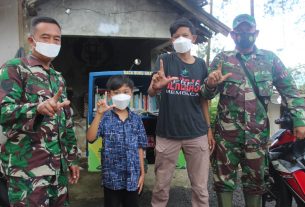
298,73
274,7
217,46
279,7
213,110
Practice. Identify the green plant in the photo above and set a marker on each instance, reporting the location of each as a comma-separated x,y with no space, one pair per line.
213,110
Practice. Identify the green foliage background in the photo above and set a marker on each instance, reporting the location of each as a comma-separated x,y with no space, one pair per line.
213,110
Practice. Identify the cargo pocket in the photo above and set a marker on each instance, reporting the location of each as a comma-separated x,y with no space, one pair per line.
229,92
35,94
204,144
162,144
230,87
264,84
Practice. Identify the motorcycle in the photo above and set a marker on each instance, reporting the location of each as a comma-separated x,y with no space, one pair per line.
286,178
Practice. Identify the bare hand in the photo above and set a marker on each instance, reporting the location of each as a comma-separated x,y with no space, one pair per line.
299,132
216,77
159,80
140,184
74,174
102,105
51,106
211,141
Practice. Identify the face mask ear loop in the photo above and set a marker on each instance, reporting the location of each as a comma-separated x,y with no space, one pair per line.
34,39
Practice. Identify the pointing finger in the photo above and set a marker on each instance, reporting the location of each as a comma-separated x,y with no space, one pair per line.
66,103
63,104
161,66
106,98
57,95
173,78
226,76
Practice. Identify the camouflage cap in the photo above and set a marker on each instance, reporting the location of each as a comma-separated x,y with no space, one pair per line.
243,18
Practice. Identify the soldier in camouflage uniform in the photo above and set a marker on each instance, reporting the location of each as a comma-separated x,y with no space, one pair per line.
40,155
242,127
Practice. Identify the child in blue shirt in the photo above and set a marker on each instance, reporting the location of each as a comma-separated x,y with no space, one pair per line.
124,139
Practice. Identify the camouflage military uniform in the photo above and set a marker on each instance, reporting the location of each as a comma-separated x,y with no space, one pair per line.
242,127
39,148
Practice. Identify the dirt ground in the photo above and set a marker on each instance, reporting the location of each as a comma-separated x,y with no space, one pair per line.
88,193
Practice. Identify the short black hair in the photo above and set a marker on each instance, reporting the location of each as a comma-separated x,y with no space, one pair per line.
36,20
182,22
117,81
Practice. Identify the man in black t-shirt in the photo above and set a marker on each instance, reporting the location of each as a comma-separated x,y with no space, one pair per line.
183,121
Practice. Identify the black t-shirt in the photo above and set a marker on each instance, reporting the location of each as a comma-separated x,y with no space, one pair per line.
180,113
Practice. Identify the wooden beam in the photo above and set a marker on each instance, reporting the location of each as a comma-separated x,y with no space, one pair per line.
157,49
207,19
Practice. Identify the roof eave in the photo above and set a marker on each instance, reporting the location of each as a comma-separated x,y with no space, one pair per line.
207,19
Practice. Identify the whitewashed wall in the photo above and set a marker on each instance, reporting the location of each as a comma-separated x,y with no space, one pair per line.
114,18
9,29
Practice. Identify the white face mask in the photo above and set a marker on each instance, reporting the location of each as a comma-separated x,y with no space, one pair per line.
182,45
121,101
46,49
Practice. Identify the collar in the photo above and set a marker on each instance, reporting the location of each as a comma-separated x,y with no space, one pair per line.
129,113
34,61
253,54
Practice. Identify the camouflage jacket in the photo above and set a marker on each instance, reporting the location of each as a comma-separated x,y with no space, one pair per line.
241,116
37,145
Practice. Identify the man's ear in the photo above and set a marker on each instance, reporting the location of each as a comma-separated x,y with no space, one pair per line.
194,38
232,34
31,41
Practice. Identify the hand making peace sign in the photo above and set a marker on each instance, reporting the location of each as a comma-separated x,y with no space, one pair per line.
102,105
216,77
51,106
159,80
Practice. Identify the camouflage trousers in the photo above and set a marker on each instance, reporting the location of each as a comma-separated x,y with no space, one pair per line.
41,191
227,160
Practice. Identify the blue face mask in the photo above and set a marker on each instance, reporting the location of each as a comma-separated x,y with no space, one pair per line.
245,40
